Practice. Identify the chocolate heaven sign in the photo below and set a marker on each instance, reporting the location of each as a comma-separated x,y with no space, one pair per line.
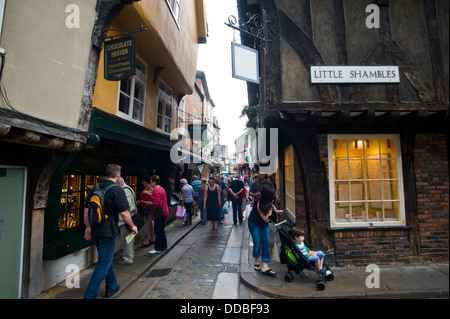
355,74
120,58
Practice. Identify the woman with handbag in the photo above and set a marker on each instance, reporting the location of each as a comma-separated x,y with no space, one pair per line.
159,211
187,199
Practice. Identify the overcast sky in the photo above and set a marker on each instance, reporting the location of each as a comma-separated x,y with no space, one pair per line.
229,94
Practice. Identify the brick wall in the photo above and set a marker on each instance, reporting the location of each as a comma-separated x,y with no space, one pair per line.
432,186
360,248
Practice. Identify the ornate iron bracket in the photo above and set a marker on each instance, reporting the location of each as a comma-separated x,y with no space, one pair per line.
256,27
128,32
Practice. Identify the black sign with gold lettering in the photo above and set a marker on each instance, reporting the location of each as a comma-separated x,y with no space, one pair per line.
120,58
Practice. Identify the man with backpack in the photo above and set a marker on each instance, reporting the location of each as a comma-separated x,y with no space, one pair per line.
112,203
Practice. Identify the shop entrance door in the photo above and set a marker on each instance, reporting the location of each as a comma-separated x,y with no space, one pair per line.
12,199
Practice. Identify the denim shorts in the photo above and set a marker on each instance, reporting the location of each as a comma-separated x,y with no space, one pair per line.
319,255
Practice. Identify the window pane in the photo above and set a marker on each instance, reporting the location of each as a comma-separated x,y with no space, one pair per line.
359,212
390,190
374,189
342,213
357,191
391,211
168,125
159,121
139,91
162,90
141,71
124,104
339,149
356,169
341,170
160,107
138,110
168,110
389,169
373,168
341,191
387,146
355,148
125,86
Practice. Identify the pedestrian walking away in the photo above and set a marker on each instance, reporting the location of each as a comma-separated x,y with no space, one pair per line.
196,182
223,193
236,189
105,233
201,198
212,205
187,199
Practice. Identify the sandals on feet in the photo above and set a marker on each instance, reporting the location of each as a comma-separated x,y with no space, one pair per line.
257,267
269,272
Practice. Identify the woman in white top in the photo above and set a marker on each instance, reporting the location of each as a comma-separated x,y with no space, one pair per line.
187,199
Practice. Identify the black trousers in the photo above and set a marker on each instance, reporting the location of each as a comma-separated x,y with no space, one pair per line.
237,209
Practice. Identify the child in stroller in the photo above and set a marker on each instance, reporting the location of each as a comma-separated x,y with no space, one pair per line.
315,257
295,260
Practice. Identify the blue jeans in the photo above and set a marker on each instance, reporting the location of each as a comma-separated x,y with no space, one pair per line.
104,268
261,241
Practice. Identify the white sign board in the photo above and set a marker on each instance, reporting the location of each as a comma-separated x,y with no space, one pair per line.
355,74
245,63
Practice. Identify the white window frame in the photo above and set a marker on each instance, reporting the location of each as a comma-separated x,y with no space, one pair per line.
165,98
133,78
384,222
175,9
2,14
181,116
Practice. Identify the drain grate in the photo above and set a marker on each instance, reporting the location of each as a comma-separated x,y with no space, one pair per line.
159,272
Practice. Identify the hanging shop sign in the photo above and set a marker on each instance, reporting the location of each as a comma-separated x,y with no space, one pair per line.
355,74
245,65
120,58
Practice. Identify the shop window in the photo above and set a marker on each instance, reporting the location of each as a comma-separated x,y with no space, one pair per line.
74,191
165,104
365,180
289,181
132,94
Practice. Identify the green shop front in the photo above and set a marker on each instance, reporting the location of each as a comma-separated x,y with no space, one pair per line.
136,149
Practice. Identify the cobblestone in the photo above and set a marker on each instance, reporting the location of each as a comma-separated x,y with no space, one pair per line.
195,272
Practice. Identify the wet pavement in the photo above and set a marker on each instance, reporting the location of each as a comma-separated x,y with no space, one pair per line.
197,266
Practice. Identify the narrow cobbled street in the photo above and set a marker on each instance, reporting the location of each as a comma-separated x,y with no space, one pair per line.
198,267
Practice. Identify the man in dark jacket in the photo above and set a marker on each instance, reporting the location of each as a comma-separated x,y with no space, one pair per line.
105,234
236,189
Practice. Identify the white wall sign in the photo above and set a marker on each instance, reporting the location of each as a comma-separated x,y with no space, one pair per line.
355,74
245,63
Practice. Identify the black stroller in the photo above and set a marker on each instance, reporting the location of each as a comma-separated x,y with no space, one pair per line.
294,259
